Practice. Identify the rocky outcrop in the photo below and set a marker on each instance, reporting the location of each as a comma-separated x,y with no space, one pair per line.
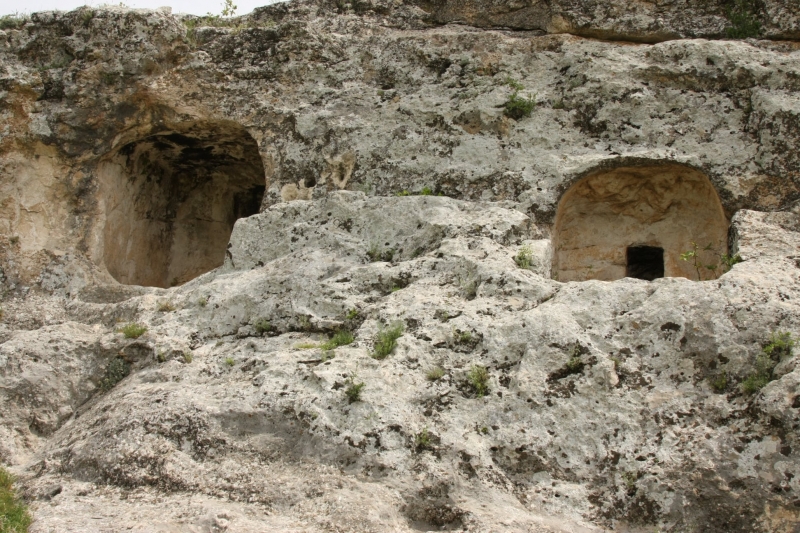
629,21
334,101
601,405
319,167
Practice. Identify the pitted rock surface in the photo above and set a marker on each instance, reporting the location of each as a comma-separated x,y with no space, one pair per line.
397,192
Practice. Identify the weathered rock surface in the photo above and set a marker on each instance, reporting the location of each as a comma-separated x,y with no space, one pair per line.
258,430
349,101
611,405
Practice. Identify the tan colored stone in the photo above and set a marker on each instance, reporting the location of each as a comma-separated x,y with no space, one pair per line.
666,206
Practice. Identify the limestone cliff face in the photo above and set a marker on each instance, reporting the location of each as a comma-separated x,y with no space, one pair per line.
336,96
246,188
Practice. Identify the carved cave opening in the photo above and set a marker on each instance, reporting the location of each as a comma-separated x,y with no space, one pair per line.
171,200
637,221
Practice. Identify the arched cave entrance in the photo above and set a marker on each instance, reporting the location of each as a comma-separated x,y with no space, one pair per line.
636,222
171,200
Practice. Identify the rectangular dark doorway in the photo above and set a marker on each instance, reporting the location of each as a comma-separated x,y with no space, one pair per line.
645,262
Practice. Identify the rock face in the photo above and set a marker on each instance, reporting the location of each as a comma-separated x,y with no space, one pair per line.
321,167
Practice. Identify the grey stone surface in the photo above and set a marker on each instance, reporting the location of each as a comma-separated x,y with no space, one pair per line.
255,429
601,412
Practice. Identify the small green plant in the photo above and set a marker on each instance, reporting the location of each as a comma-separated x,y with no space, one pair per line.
754,383
719,383
426,191
422,440
228,8
463,337
188,357
516,106
478,379
305,346
435,374
86,17
305,323
403,193
229,361
14,514
387,340
161,357
559,104
340,338
469,283
12,22
352,314
353,389
484,430
744,23
729,260
629,478
262,326
694,256
117,370
779,347
133,331
524,257
375,254
166,307
514,84
617,362
202,301
718,264
327,355
575,364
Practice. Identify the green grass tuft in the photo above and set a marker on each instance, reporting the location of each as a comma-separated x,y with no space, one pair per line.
422,440
754,383
780,345
353,389
305,346
574,365
778,348
340,338
387,340
744,23
12,22
463,337
524,257
133,331
262,326
478,379
376,254
14,514
719,383
435,374
517,107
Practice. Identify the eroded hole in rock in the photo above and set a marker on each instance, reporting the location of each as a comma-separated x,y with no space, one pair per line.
171,199
645,262
662,208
